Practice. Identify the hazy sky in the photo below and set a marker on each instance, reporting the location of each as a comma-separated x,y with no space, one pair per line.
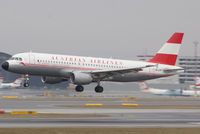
101,28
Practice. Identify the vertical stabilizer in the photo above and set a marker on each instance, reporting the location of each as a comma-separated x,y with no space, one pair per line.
169,51
18,81
143,86
197,81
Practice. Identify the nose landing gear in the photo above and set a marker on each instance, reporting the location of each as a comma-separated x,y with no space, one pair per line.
26,83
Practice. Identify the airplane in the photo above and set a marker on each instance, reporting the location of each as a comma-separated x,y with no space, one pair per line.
79,70
197,83
168,92
17,83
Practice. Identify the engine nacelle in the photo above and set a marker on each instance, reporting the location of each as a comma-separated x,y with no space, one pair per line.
81,78
51,80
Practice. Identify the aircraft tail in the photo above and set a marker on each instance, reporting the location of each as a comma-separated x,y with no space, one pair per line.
143,86
18,81
1,80
169,51
197,81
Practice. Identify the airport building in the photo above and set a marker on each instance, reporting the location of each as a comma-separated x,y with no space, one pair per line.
190,63
192,66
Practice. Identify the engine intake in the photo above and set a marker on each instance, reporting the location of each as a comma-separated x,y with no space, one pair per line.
81,78
52,80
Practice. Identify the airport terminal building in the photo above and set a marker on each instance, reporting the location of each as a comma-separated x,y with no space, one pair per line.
192,66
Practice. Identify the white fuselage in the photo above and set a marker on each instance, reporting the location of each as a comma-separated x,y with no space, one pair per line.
9,85
63,65
191,92
174,92
156,91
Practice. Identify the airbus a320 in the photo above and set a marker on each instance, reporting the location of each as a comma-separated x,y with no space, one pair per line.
55,68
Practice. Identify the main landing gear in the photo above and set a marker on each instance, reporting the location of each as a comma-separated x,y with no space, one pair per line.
26,83
79,88
98,88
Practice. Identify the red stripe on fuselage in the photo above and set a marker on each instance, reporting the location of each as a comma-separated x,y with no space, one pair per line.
22,63
168,59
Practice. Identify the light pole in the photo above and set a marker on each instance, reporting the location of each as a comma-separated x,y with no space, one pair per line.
195,54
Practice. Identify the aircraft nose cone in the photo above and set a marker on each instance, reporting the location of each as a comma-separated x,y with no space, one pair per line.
5,65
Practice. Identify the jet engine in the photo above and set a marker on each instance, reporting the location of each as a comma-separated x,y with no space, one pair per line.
81,78
52,80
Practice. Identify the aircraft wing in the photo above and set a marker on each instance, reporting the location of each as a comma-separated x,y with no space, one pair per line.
101,74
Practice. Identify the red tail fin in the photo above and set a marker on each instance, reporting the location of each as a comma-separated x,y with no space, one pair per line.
169,51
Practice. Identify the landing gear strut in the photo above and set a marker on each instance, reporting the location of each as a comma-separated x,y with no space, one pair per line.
26,83
79,88
98,88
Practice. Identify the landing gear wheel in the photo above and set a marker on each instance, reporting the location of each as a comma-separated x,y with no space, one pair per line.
79,88
26,84
99,89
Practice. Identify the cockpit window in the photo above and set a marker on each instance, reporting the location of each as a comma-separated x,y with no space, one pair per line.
16,58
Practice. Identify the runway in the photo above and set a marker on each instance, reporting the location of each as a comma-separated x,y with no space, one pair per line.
43,104
99,122
115,116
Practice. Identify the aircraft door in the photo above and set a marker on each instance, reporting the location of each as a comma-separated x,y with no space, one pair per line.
31,58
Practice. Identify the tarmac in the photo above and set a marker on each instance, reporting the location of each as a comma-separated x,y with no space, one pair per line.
117,117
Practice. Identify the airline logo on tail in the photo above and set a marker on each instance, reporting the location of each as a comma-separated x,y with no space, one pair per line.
169,52
197,81
143,86
18,82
